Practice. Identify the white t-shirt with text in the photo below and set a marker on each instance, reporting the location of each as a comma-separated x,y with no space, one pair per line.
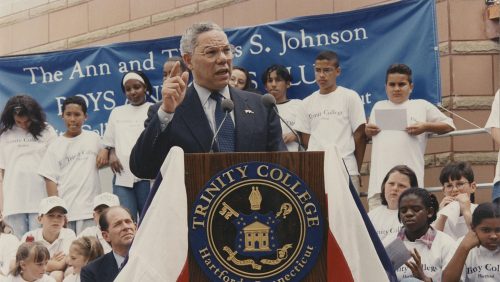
331,119
71,164
385,221
124,126
391,147
434,260
288,111
481,265
20,156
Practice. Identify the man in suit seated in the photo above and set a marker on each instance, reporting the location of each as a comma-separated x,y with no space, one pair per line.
189,116
118,229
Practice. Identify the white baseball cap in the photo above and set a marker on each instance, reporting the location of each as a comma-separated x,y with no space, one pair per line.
108,199
49,203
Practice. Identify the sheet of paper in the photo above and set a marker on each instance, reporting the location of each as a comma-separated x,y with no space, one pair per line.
391,119
125,178
452,211
398,253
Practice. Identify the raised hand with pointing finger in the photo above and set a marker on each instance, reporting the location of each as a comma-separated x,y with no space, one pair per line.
174,89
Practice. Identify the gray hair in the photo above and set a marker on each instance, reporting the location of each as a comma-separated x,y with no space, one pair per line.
190,36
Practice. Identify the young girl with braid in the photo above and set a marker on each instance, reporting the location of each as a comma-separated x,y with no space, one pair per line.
430,249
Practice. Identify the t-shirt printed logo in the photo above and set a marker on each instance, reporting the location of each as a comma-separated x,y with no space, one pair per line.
22,141
326,114
407,272
483,271
389,231
79,156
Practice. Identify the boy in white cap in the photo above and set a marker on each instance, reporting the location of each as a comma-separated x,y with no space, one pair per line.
52,216
101,202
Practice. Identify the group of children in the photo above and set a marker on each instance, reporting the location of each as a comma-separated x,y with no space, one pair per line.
455,240
35,162
31,155
54,252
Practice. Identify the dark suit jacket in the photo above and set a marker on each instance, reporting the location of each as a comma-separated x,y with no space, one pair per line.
152,111
103,269
258,129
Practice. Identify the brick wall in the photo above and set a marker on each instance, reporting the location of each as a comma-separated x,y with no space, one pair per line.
469,60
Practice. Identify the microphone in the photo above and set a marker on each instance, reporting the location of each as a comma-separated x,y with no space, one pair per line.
269,101
227,106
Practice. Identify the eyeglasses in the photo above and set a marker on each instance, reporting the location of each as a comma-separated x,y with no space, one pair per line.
213,52
459,185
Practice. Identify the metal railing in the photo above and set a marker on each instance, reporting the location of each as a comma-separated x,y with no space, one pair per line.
451,134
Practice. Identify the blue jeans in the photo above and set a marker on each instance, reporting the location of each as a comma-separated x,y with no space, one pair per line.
133,198
79,225
22,223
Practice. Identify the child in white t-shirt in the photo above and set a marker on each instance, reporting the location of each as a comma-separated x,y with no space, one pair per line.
277,80
52,216
477,257
124,126
31,264
430,249
407,145
101,202
334,115
456,208
24,138
70,165
385,217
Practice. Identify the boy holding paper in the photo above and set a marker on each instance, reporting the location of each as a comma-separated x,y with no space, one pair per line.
395,144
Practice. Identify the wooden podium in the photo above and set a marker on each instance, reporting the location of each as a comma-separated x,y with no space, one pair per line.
308,166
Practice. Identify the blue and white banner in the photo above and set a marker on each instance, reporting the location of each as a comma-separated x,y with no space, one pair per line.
367,41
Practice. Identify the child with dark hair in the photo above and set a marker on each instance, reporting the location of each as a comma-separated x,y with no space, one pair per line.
385,217
240,78
277,80
124,126
405,145
24,138
334,116
31,263
70,165
431,250
457,206
478,254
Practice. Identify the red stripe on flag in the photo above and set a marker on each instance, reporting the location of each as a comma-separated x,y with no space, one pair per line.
338,269
184,276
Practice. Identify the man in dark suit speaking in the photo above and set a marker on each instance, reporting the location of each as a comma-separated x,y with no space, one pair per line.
189,116
118,229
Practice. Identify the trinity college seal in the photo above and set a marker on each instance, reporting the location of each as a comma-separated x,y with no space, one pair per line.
255,222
